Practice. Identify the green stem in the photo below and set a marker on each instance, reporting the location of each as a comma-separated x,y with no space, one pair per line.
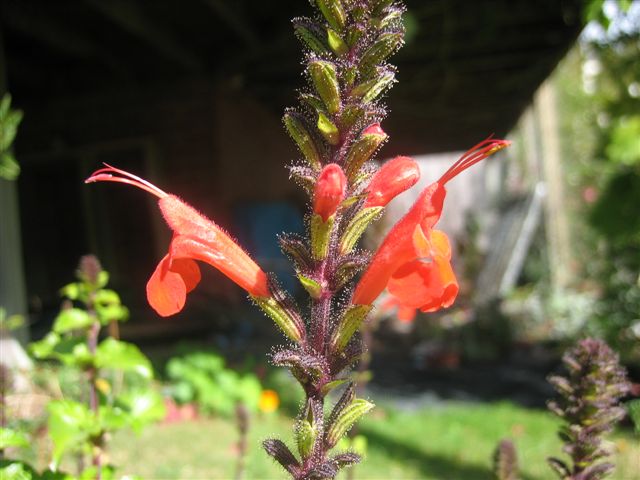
94,402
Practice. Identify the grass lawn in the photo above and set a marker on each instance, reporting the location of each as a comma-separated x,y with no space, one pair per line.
454,441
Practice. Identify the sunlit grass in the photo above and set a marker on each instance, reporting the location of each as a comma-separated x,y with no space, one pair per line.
455,441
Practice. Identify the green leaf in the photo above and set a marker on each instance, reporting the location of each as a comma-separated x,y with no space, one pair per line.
633,407
72,319
9,121
103,279
183,392
327,387
281,316
111,313
624,145
320,235
12,322
117,355
16,471
72,291
44,348
106,297
348,416
357,226
112,418
143,407
311,286
107,472
12,438
349,324
305,436
70,426
70,350
9,168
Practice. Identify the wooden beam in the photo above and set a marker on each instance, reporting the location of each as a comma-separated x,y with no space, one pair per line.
128,16
38,24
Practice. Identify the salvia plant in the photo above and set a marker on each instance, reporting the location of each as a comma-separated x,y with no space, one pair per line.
589,404
81,427
337,128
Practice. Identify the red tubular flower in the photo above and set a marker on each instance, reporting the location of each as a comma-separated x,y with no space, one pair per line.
393,178
329,191
413,261
195,237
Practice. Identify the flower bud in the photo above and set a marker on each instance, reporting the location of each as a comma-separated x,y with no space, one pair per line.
334,12
383,47
309,36
325,80
363,148
371,89
393,178
303,139
329,191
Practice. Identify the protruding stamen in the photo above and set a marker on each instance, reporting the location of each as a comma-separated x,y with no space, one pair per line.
106,175
474,155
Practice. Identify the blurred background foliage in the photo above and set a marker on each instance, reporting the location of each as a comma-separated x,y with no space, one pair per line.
599,104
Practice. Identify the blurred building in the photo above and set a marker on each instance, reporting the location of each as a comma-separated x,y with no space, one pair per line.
189,95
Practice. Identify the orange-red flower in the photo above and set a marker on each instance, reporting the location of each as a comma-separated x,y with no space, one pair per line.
195,237
414,260
329,191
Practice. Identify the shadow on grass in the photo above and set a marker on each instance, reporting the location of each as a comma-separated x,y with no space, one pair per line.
429,464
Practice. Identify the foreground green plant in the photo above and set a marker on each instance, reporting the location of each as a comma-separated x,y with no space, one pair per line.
337,130
590,407
203,378
82,427
9,121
